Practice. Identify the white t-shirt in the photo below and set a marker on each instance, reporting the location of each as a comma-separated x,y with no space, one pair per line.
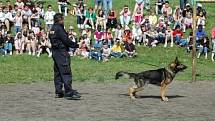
18,21
9,16
20,5
26,13
2,16
49,17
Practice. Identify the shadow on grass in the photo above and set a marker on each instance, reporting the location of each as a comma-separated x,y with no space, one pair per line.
154,97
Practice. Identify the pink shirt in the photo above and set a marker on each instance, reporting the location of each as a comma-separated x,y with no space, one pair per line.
138,18
98,35
213,33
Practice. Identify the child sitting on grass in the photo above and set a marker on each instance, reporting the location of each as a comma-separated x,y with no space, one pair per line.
44,45
213,43
130,50
19,43
204,47
9,41
105,52
213,49
1,44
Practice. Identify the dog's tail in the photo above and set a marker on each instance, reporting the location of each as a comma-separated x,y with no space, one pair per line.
123,73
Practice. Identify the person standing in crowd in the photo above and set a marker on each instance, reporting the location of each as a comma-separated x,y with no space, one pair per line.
49,18
182,4
98,4
62,71
62,6
18,22
107,6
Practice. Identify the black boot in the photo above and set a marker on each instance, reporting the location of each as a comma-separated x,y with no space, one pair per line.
60,95
72,96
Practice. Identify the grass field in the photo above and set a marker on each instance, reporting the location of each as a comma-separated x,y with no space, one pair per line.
28,69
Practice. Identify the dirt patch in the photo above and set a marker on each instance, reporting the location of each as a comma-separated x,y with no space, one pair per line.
108,102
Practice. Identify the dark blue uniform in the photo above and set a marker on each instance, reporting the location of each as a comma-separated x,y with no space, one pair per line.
62,71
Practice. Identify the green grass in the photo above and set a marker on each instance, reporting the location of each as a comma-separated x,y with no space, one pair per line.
28,69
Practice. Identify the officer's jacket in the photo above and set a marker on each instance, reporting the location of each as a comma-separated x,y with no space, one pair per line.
59,38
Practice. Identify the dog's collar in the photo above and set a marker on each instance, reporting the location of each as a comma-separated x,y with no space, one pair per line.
171,72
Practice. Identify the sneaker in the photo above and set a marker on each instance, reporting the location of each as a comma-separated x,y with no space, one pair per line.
50,55
171,45
33,54
29,53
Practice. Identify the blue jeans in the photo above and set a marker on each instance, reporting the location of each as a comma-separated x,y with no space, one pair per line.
98,2
2,51
17,29
183,42
107,5
98,44
124,20
203,49
147,4
183,4
95,55
177,40
117,54
80,20
8,46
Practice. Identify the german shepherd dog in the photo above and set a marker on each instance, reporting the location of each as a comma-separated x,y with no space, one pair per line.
161,77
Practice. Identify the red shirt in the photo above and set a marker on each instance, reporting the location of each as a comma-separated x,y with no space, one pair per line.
178,33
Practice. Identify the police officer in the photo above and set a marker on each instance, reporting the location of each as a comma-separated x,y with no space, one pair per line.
62,71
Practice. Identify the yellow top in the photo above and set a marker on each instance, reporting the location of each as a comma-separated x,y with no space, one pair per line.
117,48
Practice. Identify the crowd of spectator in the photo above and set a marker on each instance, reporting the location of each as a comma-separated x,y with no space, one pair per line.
102,32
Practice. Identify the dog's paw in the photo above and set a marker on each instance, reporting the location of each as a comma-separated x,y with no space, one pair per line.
165,99
132,97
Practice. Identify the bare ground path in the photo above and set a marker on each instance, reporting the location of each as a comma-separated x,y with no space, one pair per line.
108,102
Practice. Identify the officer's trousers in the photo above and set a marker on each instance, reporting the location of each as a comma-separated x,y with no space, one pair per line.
62,72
